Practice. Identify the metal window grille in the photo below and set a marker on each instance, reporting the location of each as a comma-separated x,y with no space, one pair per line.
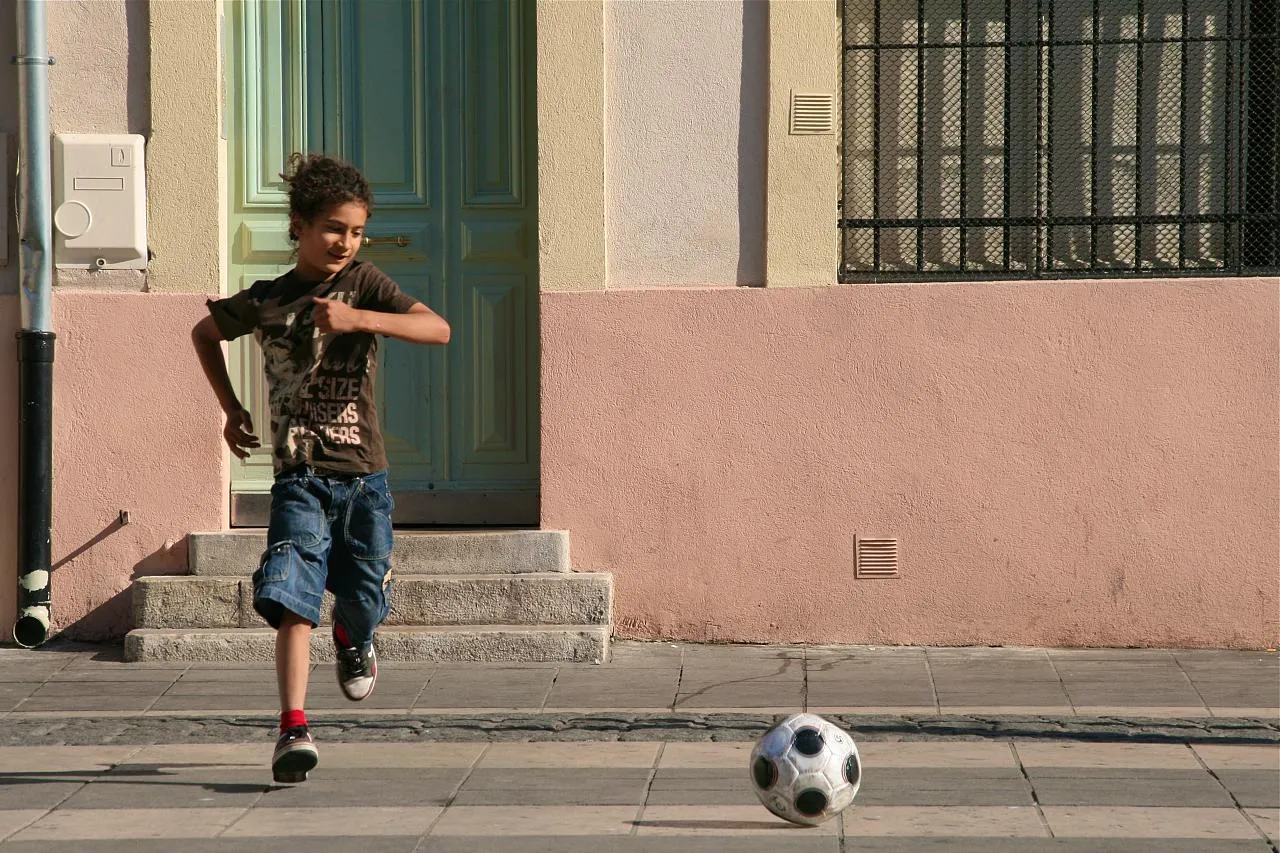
1034,138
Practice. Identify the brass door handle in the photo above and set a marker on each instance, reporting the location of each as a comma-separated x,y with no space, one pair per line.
400,240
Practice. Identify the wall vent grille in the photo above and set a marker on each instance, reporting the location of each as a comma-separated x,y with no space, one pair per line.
812,113
875,558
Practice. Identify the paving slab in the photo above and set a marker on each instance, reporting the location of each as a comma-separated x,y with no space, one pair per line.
36,791
62,825
1239,757
312,844
924,821
240,702
957,844
579,786
1252,788
127,785
642,688
935,786
12,697
117,675
1106,755
1236,695
497,821
123,702
632,844
13,821
1118,822
725,821
962,754
519,756
751,694
506,688
99,689
330,820
1268,821
333,784
673,786
1078,786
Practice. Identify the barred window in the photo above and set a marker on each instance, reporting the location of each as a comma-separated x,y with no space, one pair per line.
1034,138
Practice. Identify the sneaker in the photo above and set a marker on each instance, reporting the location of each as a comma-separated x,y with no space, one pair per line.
357,669
295,756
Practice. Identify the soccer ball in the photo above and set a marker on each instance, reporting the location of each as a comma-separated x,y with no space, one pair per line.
806,769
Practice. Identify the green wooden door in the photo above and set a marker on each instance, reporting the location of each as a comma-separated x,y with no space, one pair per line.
433,100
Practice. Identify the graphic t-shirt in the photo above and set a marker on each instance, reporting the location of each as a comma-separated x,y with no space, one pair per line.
320,386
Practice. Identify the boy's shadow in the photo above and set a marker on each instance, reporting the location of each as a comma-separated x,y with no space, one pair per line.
138,774
720,824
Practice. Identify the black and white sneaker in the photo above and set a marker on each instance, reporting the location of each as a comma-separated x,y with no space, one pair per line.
295,756
357,669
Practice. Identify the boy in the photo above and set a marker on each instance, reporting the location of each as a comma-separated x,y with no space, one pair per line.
330,523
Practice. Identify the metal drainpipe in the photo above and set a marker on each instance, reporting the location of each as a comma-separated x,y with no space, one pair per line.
35,340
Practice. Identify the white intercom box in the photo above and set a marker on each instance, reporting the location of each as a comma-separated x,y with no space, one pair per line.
99,202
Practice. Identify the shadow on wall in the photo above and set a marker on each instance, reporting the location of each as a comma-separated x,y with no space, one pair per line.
138,23
111,619
753,144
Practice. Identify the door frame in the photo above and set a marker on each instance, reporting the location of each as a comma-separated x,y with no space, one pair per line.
519,507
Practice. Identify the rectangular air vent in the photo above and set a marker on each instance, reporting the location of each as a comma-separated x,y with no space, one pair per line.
875,558
812,113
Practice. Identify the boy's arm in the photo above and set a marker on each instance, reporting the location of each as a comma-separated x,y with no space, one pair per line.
238,432
419,325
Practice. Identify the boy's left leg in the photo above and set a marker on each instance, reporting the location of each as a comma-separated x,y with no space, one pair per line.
360,579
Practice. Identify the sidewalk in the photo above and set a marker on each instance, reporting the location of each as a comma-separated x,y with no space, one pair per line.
669,678
989,750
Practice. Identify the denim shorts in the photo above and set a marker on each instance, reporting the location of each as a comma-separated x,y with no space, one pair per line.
327,532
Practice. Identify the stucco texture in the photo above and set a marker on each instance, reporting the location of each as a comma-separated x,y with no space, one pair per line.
571,198
136,429
99,84
686,117
803,171
1065,463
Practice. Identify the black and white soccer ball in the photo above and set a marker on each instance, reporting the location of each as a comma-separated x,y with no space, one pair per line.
806,769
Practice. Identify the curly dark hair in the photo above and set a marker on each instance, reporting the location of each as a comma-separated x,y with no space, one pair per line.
317,182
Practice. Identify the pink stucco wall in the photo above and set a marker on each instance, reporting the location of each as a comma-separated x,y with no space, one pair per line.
135,428
1065,463
9,324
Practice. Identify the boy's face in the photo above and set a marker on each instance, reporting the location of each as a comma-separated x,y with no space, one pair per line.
328,243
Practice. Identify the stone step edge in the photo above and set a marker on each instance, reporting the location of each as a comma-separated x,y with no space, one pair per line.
196,602
434,552
405,643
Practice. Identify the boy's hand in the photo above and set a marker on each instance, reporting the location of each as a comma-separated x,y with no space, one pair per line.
239,433
332,315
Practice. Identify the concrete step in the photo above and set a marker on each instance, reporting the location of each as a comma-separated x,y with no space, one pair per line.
480,643
542,598
465,552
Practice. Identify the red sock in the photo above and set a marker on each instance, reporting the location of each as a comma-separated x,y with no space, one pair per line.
340,634
292,719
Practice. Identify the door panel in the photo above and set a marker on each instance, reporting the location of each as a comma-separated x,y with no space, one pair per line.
432,99
493,249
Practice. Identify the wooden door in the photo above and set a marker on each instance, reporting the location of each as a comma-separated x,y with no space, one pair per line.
433,100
